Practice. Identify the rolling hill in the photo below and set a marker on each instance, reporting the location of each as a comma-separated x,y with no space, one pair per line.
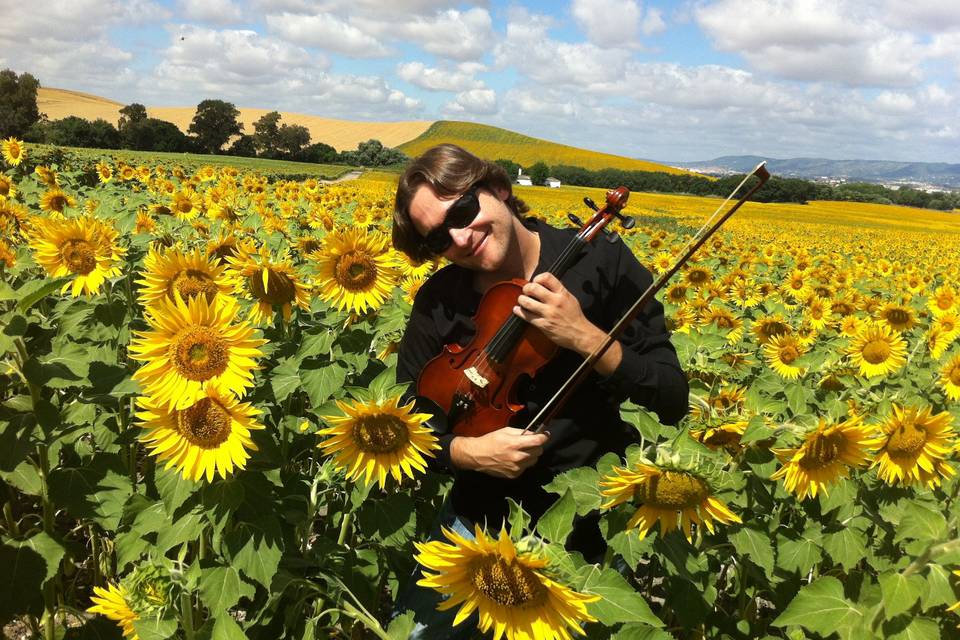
494,143
411,137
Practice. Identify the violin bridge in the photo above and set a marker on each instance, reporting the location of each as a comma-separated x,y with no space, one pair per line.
474,376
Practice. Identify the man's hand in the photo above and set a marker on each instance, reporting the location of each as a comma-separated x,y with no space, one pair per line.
549,306
505,453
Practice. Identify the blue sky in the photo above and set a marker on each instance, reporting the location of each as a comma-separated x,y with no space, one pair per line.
674,81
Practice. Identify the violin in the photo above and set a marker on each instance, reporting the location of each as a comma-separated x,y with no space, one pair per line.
476,385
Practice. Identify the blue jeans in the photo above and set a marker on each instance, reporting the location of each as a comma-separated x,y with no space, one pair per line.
423,601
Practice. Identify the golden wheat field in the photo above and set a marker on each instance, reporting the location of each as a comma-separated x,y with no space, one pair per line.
202,434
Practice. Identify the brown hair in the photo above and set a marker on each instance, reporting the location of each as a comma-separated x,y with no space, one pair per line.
449,170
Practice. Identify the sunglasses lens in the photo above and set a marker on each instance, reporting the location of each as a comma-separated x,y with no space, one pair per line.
461,213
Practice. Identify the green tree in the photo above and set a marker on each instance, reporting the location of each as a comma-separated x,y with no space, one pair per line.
538,173
155,135
130,114
18,103
318,152
511,167
291,138
214,123
243,146
73,131
266,130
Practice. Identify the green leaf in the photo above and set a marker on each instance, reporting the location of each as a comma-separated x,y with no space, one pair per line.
936,590
255,549
322,383
25,478
638,631
36,290
757,429
519,519
915,629
619,602
150,628
756,544
285,379
921,523
220,588
186,528
646,422
97,492
846,547
557,523
391,518
402,626
797,555
820,607
899,592
173,488
842,494
583,483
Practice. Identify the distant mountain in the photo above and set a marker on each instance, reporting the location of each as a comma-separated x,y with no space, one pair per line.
939,174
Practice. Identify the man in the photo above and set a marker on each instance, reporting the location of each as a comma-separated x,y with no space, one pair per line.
453,204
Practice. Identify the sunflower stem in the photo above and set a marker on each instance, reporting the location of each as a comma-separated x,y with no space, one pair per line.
95,555
49,592
344,527
186,615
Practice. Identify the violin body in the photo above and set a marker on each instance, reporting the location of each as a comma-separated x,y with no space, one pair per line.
475,384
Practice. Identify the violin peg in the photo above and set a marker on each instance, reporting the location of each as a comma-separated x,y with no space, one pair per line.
610,236
590,203
627,222
575,220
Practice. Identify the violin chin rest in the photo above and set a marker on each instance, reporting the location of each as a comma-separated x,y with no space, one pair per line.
438,422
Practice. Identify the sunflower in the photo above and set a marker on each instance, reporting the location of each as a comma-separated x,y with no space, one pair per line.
677,294
672,497
104,172
410,268
730,325
697,276
850,325
209,437
13,151
378,437
797,285
781,352
8,258
270,282
818,312
112,602
944,299
877,350
827,454
510,590
189,274
191,343
186,204
7,187
950,378
84,247
913,445
56,200
145,223
725,436
766,327
899,317
355,270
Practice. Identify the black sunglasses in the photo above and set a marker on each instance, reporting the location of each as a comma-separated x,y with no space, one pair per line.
461,213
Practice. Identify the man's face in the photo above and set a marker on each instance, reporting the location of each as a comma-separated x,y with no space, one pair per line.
483,244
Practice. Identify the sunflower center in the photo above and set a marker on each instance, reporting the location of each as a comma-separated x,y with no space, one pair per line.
199,353
191,282
355,271
184,206
722,438
381,433
773,328
58,203
697,276
906,442
510,584
954,375
79,256
898,317
788,354
822,450
280,288
876,351
723,322
205,423
945,301
673,490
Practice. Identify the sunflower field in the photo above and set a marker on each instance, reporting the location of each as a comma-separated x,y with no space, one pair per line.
201,435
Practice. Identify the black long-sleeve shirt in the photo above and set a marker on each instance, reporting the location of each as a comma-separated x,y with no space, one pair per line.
606,280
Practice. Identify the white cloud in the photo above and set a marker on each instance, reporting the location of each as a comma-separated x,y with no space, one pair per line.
437,79
325,31
608,22
456,35
653,22
473,103
894,102
928,15
815,40
210,11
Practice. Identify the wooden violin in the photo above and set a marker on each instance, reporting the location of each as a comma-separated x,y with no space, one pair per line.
476,384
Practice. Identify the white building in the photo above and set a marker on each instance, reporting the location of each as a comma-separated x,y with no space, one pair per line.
553,183
523,179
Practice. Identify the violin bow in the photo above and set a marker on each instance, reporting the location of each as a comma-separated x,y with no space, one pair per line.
550,409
